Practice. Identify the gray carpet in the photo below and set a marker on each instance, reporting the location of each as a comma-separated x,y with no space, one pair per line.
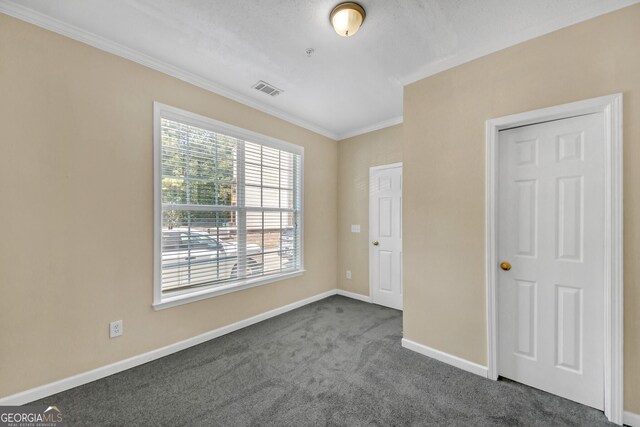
334,362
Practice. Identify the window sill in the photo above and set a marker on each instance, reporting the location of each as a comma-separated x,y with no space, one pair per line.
215,291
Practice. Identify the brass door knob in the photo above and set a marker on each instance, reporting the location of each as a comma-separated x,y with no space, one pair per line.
505,266
376,243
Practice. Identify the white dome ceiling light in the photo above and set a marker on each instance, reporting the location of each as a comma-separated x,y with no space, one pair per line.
347,18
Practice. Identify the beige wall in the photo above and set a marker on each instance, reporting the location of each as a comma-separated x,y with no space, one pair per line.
76,187
76,156
355,156
443,149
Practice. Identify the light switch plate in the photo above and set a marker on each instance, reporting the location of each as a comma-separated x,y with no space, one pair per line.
355,228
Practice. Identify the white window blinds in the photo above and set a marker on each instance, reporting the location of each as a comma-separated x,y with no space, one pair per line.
230,207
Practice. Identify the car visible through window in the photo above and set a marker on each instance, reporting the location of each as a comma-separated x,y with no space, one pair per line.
193,258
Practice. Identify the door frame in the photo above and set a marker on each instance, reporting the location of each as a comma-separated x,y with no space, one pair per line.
371,170
611,107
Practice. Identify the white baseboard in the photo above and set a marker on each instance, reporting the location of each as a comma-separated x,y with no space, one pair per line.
36,393
353,295
104,371
631,419
447,358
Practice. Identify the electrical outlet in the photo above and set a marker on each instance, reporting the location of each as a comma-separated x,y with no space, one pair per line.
115,329
348,274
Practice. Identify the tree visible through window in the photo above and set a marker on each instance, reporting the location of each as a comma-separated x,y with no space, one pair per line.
230,208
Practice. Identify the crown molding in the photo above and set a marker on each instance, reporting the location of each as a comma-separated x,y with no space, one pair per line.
513,39
52,24
41,20
376,126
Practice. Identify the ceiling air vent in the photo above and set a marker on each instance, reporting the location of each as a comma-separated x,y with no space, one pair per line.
267,88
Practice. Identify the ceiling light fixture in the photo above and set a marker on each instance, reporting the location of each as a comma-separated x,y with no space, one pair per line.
347,18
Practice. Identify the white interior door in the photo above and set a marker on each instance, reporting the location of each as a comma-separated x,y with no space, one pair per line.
385,233
551,231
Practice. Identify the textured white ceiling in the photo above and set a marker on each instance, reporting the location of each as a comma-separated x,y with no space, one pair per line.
348,86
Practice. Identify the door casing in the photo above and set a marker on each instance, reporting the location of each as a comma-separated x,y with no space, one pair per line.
372,169
611,107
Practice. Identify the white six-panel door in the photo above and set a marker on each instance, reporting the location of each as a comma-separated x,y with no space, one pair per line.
551,232
385,234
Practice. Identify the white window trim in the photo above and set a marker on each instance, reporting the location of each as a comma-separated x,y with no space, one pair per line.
168,112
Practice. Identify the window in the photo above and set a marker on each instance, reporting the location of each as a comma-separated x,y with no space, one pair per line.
228,208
